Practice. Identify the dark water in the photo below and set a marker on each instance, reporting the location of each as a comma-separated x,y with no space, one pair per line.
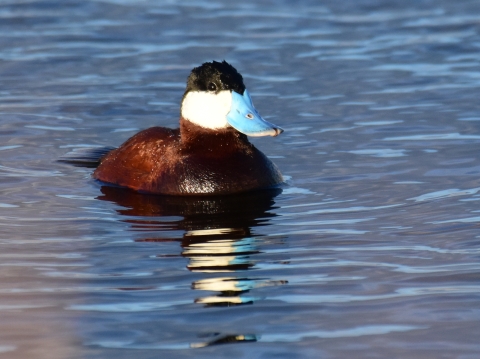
371,251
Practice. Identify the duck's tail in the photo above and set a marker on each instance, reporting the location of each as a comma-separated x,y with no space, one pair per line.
85,157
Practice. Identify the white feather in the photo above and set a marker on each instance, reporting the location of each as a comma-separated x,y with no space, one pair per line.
207,109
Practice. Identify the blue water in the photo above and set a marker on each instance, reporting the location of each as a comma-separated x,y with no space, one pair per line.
372,250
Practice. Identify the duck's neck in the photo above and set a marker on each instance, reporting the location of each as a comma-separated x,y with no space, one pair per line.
195,137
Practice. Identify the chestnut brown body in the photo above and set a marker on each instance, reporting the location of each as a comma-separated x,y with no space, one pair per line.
190,160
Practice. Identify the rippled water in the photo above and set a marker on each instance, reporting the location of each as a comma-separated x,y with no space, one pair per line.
371,251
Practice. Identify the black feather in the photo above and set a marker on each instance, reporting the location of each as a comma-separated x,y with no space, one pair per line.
85,157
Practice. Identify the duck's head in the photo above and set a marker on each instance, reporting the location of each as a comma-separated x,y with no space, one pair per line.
216,98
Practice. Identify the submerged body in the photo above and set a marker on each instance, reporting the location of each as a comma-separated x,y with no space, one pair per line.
206,155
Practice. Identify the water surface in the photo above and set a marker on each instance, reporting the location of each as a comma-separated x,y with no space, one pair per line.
371,250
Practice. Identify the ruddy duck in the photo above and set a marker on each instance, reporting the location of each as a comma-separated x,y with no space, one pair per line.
209,154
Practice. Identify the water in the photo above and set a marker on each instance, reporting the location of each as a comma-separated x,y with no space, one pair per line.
371,251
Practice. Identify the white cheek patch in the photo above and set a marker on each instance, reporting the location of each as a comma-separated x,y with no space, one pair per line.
206,109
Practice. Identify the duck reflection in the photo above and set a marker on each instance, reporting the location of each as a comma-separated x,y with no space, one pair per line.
217,234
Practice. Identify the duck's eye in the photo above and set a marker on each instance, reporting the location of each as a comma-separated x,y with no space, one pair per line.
212,87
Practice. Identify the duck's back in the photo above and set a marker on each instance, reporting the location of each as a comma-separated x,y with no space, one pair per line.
159,160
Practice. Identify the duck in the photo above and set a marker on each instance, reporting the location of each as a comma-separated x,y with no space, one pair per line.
209,154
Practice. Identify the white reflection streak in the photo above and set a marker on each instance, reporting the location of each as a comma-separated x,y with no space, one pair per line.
342,333
432,137
452,192
400,293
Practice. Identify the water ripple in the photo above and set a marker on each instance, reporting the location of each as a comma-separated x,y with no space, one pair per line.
447,193
431,137
400,293
341,333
